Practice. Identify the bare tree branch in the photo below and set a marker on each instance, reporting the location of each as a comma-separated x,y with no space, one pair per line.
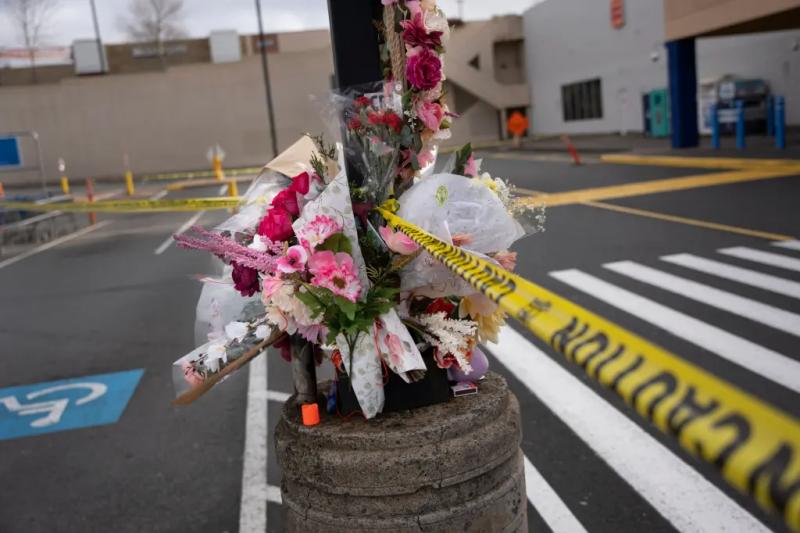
31,18
154,21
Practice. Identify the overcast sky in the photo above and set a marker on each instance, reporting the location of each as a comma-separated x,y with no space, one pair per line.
72,19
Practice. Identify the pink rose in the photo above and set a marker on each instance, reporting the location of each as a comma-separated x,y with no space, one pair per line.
398,242
416,34
424,69
287,200
276,225
294,260
300,183
471,167
430,114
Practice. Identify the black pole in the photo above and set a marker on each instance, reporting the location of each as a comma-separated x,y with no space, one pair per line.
267,88
356,58
99,41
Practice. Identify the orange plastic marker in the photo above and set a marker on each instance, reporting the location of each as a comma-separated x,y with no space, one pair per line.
310,414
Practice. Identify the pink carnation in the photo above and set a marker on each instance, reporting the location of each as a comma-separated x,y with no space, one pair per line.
398,242
423,69
317,230
430,114
294,260
471,167
335,272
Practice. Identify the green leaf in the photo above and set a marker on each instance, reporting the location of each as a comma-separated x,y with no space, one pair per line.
337,242
348,308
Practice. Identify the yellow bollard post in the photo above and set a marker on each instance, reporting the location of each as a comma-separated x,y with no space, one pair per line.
233,189
129,183
217,163
65,184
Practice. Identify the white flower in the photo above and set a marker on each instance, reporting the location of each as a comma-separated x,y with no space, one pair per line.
450,336
435,20
214,355
258,244
236,331
262,331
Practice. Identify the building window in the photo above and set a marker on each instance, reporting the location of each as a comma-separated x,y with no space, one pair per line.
582,100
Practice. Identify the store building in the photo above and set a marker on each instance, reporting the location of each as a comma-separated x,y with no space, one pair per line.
603,66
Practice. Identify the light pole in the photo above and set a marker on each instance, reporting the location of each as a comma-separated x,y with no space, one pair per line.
267,88
99,41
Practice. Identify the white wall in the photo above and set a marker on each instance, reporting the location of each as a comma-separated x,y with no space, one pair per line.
572,40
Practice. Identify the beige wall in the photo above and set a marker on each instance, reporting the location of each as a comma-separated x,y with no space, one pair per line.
687,18
167,120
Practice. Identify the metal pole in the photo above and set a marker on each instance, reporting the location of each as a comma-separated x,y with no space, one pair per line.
267,88
740,144
42,173
714,127
780,123
99,41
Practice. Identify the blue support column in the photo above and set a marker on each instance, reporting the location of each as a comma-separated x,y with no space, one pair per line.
740,125
683,93
771,115
714,127
780,123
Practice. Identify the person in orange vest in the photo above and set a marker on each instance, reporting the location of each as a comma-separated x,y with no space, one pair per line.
517,124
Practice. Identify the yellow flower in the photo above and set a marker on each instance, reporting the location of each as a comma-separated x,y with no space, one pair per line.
487,314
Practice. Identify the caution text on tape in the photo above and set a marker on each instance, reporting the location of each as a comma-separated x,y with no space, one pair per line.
755,446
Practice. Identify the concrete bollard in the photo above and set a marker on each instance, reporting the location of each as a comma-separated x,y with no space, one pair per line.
453,466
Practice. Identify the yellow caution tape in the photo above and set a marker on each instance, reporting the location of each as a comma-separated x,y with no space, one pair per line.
129,206
755,446
200,174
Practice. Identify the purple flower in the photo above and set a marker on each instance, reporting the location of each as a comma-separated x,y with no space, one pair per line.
424,70
245,279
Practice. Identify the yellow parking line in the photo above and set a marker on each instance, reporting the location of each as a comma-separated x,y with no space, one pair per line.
691,221
701,162
656,186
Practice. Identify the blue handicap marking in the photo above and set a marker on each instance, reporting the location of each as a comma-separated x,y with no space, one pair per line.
65,404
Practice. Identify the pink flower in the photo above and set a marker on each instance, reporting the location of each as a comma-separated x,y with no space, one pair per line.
395,346
507,260
416,34
424,69
430,114
269,285
300,183
471,168
335,272
276,225
425,157
317,230
398,242
316,333
191,374
414,7
294,260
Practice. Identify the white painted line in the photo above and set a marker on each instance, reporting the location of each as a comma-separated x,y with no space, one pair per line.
789,245
253,510
274,494
547,503
734,273
186,225
55,242
732,303
776,260
109,194
755,358
677,491
277,396
159,195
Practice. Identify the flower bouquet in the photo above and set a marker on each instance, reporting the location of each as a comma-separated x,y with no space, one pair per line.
313,270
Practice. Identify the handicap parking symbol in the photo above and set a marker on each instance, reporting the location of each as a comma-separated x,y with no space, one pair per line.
66,404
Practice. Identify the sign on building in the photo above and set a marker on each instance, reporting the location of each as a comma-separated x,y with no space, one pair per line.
9,152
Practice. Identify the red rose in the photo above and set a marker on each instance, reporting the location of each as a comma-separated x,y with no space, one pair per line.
354,123
440,305
375,118
361,101
300,183
393,121
276,225
287,201
245,279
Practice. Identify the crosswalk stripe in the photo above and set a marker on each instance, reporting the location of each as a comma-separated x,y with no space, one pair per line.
735,273
678,492
758,359
547,503
751,309
789,245
777,260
